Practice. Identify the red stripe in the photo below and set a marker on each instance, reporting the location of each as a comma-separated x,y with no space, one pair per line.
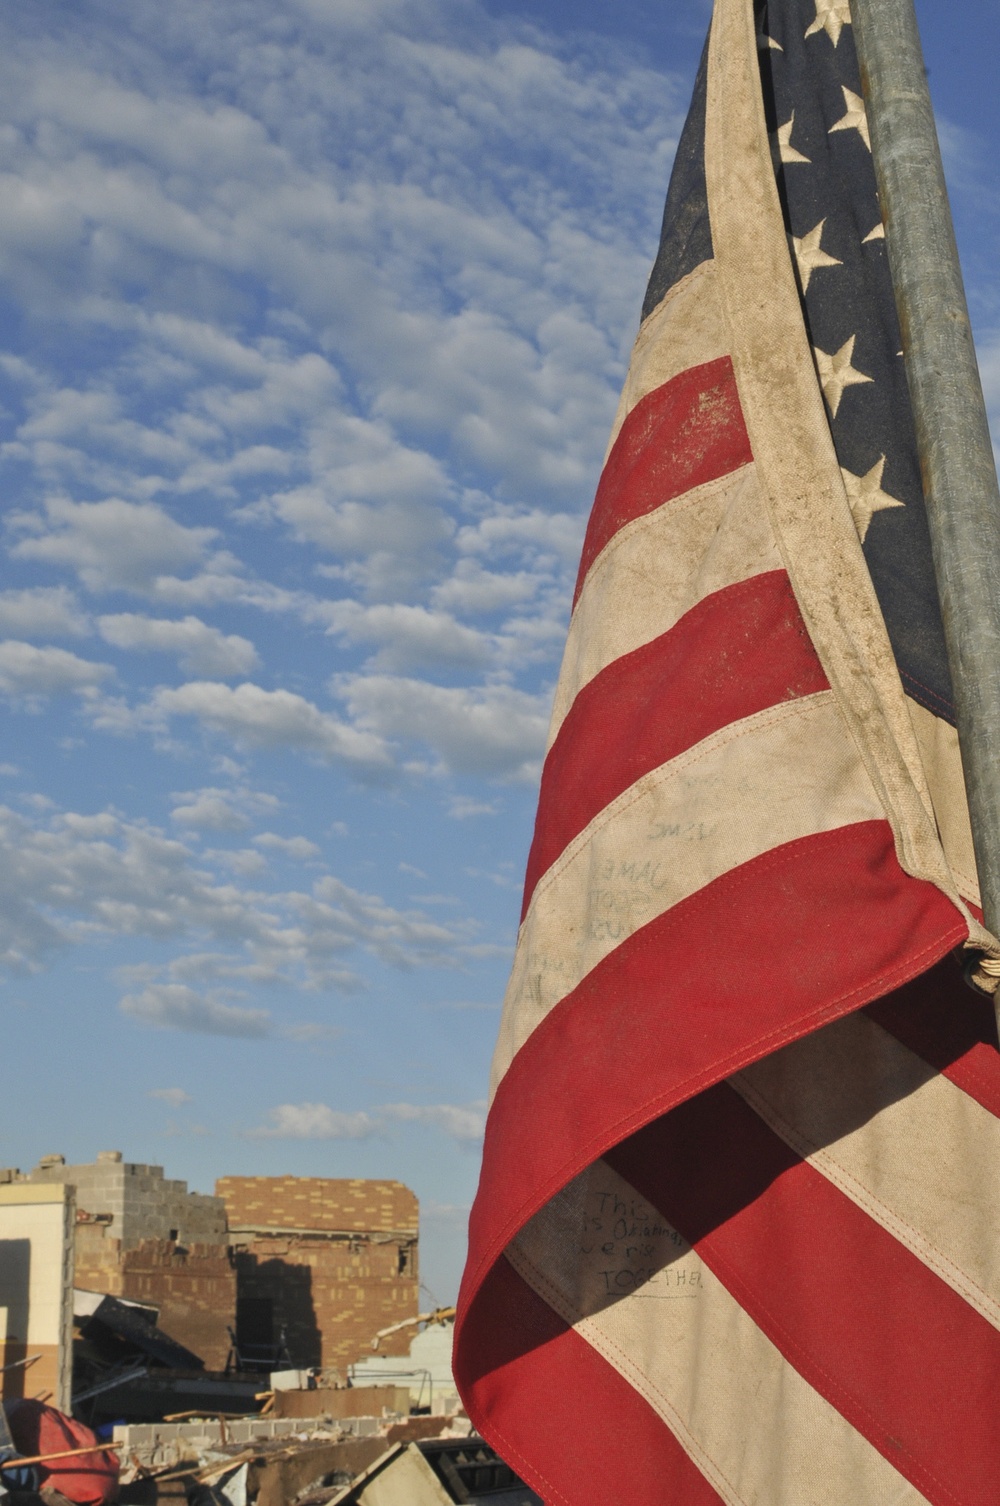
764,954
903,1357
738,651
559,1414
950,1027
681,435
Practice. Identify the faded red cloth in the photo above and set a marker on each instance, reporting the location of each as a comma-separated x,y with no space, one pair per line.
86,1479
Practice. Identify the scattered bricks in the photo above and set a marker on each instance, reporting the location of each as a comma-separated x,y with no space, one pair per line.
415,1428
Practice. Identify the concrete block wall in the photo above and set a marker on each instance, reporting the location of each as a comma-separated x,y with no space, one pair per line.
141,1202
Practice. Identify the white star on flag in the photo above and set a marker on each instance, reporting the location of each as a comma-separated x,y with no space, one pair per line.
878,234
786,151
836,373
866,496
810,256
855,119
831,16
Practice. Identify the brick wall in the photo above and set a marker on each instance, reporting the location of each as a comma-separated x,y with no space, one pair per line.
141,1202
329,1203
194,1288
330,1294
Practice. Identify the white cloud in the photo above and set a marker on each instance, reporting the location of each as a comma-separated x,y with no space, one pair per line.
473,590
244,860
209,810
524,532
28,671
200,649
311,1033
462,1122
348,300
174,1006
315,1121
70,879
111,545
461,807
174,1098
496,732
299,848
410,636
42,612
273,719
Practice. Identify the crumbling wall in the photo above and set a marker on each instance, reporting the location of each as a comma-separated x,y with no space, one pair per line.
329,1261
140,1202
193,1287
98,1258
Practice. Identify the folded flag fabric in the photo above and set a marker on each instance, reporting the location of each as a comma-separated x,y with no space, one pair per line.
737,1236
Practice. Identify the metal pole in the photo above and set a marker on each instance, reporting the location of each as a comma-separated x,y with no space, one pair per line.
953,438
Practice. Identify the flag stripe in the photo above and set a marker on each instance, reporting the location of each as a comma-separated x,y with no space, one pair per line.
942,762
658,567
867,1324
953,1029
712,808
737,652
741,968
685,1322
686,329
683,434
568,1422
900,1140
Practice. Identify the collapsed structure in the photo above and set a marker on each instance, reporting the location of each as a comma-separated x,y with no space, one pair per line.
269,1273
221,1349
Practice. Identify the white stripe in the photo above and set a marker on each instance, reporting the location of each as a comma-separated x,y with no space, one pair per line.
657,568
942,761
786,772
685,329
897,1138
610,1265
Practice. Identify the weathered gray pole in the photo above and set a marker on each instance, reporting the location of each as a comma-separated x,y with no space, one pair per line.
956,455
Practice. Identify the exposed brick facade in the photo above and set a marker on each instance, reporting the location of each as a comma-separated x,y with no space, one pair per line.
142,1236
193,1287
327,1261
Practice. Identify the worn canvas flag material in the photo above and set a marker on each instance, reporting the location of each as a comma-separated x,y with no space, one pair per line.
737,1236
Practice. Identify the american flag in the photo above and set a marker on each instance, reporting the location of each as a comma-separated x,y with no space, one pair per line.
737,1236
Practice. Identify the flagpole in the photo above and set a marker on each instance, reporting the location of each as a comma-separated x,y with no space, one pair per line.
953,437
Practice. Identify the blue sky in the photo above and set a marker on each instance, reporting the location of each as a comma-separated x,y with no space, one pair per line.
312,319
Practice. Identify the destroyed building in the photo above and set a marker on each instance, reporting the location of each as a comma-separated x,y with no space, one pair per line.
146,1238
271,1272
322,1264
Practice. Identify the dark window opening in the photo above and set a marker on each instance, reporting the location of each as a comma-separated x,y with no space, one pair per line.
254,1322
